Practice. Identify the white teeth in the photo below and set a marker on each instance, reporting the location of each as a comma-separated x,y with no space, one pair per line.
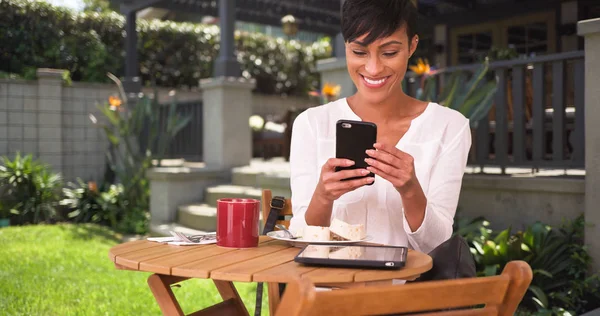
374,82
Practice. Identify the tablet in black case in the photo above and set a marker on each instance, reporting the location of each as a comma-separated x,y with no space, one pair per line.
353,256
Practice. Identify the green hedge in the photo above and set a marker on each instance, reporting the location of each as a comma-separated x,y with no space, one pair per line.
36,34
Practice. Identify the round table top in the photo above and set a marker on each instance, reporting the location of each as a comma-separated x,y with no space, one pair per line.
271,261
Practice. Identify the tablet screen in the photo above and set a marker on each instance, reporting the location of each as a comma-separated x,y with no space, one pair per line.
358,253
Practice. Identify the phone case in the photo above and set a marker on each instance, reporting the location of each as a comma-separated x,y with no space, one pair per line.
353,138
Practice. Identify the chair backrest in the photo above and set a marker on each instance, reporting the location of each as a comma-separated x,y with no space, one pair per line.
284,214
494,295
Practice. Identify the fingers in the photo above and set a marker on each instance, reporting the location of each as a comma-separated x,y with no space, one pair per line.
331,185
392,150
341,187
382,167
345,174
332,163
385,175
384,157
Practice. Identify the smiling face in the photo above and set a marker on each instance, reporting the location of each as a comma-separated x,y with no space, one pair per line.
377,69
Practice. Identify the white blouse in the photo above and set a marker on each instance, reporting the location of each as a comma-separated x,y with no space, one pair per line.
439,140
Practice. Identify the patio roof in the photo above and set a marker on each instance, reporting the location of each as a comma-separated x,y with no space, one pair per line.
322,16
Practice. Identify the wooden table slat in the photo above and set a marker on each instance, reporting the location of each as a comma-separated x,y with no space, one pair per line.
331,275
133,259
283,273
164,264
243,271
272,261
203,268
130,247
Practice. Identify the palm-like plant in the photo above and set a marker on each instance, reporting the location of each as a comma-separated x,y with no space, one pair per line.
31,191
470,94
124,125
557,257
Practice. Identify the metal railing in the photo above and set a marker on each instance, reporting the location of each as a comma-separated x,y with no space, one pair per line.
188,143
537,119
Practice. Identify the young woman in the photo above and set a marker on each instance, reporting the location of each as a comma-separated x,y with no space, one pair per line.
421,150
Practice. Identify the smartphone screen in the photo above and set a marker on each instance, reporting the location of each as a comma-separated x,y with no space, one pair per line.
353,138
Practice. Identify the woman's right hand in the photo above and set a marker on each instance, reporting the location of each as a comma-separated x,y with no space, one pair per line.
331,186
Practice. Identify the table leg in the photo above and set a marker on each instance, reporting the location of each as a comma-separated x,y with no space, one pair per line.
274,297
228,292
161,288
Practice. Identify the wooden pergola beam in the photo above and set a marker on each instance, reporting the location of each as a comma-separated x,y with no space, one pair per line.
463,4
321,16
136,5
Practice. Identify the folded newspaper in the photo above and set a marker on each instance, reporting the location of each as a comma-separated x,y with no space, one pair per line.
179,239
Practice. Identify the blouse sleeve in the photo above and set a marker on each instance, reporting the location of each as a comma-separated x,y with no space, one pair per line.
303,169
442,196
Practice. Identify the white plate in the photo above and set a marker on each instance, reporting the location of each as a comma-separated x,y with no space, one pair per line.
279,235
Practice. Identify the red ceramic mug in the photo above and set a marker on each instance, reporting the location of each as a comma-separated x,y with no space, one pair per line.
237,222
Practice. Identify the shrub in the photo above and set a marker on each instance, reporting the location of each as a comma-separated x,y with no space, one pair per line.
86,203
170,54
125,206
30,190
557,256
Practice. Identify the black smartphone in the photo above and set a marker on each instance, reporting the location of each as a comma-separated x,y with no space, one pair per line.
352,140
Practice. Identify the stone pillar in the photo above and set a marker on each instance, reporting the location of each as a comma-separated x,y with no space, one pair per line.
227,106
440,42
49,117
226,64
339,46
568,19
132,84
334,71
590,30
173,187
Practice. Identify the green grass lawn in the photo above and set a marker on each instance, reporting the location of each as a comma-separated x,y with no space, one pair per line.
65,270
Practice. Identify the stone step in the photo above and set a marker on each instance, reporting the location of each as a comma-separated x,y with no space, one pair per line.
230,191
244,177
201,217
164,229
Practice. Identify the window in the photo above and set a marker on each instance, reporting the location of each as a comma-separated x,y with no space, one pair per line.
528,35
529,39
473,47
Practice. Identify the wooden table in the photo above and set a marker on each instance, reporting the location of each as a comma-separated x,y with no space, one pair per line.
271,262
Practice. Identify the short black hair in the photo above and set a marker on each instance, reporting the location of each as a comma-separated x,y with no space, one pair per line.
377,18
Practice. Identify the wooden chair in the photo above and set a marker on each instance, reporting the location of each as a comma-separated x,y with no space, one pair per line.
267,195
500,295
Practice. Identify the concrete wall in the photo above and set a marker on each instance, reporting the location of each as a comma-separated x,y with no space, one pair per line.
590,30
52,121
270,106
520,201
334,70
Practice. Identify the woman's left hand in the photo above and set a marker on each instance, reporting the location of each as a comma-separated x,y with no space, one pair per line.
395,166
